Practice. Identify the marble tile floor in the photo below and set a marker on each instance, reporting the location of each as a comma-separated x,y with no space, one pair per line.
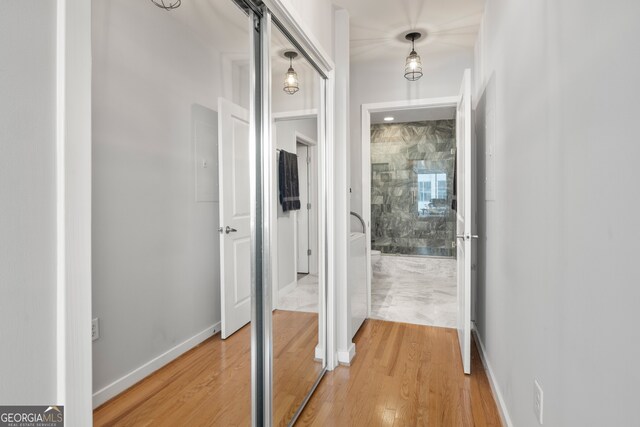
419,290
304,297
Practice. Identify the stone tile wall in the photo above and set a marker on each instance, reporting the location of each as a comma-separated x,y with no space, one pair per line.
399,153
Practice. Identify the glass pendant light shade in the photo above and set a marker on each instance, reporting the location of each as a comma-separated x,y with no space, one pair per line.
413,66
291,78
167,4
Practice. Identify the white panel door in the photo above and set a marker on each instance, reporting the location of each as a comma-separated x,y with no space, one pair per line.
464,220
302,152
235,227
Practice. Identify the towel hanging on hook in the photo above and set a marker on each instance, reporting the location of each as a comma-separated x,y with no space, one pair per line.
288,181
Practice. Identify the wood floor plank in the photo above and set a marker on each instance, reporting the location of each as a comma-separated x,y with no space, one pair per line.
402,375
421,384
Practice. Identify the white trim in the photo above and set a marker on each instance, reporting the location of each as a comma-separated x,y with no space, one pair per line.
345,357
312,198
311,113
304,139
411,104
228,60
495,389
60,200
73,210
140,373
365,120
341,194
319,353
331,220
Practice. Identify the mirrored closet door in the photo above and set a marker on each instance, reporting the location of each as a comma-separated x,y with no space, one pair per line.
298,296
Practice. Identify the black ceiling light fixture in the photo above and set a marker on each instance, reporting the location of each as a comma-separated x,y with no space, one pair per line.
413,66
167,4
291,78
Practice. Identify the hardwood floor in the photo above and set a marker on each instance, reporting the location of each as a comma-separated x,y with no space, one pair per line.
402,375
210,385
295,369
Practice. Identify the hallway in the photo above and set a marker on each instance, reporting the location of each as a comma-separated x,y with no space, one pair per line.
402,375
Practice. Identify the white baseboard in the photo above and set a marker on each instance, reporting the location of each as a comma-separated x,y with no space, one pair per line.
345,357
319,353
138,374
502,407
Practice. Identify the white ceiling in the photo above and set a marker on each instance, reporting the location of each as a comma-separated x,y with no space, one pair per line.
415,115
378,27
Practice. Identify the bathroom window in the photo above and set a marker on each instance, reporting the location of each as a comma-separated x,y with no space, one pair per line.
432,194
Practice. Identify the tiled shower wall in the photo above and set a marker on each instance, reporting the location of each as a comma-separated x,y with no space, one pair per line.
399,153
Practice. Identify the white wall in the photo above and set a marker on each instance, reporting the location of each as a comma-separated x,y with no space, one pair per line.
285,138
383,81
155,269
317,16
558,290
27,202
309,83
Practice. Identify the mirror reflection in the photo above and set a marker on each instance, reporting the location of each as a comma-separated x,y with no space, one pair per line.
298,342
170,174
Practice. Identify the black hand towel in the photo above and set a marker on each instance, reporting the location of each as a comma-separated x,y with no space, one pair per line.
288,181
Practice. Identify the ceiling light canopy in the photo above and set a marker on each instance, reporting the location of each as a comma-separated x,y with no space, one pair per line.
413,66
167,4
291,78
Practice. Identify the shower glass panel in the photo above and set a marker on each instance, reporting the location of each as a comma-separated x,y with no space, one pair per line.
412,188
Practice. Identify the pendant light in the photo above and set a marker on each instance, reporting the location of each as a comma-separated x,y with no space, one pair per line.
413,66
167,4
291,78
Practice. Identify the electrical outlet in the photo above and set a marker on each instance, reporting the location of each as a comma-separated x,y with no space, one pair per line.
95,329
538,401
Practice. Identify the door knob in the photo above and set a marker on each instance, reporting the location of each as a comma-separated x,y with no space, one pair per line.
474,236
460,236
230,230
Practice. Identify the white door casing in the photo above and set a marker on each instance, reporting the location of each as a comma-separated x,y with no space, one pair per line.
302,216
464,219
235,220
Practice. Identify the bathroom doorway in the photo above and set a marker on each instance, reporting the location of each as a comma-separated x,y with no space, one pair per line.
413,216
418,204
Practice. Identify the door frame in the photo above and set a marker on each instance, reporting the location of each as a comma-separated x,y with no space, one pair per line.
366,110
312,197
312,113
73,211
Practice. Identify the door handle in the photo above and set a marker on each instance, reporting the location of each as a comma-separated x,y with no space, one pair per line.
467,237
230,230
